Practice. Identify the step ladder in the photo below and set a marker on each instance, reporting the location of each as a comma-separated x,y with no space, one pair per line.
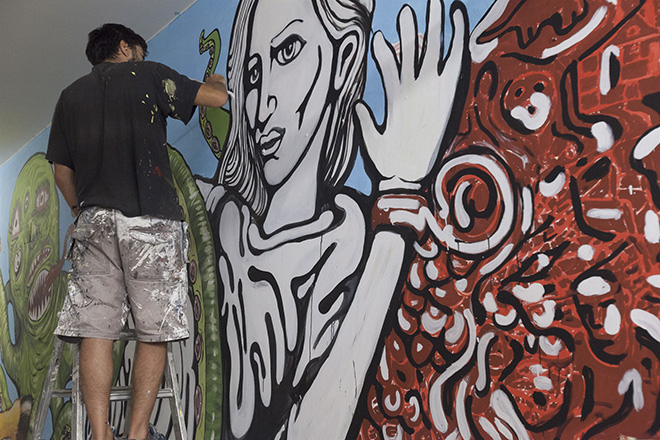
169,391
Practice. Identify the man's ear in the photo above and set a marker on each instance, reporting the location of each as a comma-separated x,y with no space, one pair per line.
124,49
346,58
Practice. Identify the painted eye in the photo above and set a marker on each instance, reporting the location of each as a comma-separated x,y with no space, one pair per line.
254,76
42,198
15,227
26,202
288,50
254,73
17,261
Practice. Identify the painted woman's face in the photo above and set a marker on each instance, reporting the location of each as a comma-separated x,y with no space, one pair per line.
287,79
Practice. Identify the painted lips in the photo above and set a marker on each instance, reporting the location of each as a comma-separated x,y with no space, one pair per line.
270,142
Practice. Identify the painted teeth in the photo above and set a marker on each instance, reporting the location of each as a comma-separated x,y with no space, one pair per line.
39,297
45,252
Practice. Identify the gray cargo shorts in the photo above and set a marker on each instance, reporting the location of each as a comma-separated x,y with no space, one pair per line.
126,264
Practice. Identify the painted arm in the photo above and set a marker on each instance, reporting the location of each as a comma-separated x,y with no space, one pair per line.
213,93
327,408
65,179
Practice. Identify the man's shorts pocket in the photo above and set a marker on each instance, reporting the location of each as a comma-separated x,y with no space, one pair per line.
153,255
87,255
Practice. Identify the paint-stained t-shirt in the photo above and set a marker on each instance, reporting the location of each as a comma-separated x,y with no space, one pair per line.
110,128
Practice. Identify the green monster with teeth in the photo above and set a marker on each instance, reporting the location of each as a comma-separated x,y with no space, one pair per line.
36,291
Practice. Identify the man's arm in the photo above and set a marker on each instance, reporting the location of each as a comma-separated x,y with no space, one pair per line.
66,182
213,93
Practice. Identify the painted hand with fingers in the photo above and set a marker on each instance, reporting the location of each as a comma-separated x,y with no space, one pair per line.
420,94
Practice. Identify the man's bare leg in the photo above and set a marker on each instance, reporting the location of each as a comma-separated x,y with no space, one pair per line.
95,382
147,376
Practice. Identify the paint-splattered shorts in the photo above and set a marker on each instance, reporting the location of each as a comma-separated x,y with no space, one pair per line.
122,264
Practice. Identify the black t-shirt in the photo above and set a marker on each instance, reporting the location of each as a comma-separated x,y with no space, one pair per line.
110,127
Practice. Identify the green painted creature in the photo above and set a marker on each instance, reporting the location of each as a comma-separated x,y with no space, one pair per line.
36,290
203,282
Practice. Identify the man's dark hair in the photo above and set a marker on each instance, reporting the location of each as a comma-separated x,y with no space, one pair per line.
103,42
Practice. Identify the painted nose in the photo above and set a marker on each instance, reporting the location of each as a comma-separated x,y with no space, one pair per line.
267,105
267,101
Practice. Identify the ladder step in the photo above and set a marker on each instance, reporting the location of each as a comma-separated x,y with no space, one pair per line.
116,393
124,393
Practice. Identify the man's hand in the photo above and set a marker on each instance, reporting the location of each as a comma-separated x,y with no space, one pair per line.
213,93
420,88
216,78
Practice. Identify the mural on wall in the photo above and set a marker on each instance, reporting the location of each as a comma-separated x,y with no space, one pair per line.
499,281
495,277
531,307
305,282
35,293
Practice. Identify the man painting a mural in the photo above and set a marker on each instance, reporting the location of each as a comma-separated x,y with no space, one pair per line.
129,253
